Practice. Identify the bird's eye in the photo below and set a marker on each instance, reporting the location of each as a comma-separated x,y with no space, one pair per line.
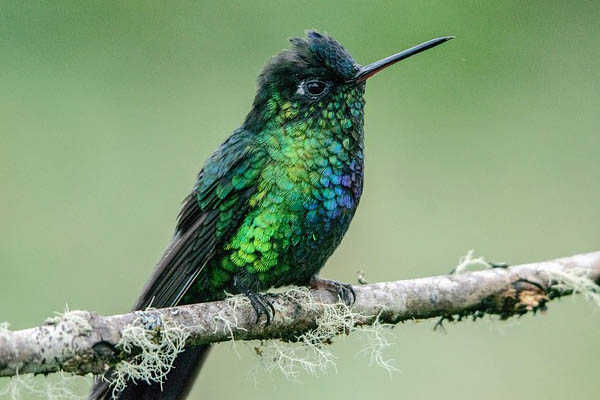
315,87
312,88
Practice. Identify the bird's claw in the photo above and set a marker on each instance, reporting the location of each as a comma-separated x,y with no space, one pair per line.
262,306
344,291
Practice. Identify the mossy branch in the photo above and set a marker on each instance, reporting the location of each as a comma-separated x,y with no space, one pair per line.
82,342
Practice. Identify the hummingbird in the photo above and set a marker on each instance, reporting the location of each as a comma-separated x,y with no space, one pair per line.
274,201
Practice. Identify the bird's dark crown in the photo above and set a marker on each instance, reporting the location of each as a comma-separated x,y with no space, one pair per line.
315,54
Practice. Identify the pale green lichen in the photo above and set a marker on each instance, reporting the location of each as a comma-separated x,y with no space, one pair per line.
469,261
227,316
58,386
157,344
377,340
575,280
308,353
76,318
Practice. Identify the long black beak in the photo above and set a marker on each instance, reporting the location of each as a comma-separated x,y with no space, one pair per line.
369,70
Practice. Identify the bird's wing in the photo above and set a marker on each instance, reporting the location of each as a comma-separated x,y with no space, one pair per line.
215,208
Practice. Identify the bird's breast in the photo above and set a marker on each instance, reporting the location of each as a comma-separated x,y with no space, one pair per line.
315,172
305,197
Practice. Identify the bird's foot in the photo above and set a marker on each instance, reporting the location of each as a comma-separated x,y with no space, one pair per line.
262,305
344,291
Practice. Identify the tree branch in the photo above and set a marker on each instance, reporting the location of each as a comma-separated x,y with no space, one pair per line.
83,342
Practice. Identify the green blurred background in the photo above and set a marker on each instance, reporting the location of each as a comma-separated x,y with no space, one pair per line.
491,142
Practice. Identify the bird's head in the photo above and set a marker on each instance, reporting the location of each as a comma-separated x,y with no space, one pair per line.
317,78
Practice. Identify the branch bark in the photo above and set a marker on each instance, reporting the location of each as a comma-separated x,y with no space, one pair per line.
83,342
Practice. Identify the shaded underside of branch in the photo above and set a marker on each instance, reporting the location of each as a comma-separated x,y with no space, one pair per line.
83,342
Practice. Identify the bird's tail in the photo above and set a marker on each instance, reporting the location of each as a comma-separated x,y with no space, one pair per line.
178,382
